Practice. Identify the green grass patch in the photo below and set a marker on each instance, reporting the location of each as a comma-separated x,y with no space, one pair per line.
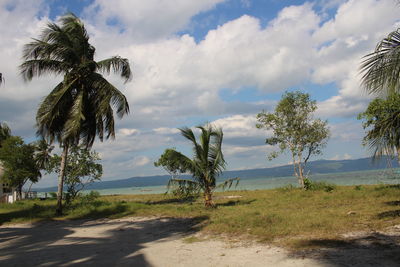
279,215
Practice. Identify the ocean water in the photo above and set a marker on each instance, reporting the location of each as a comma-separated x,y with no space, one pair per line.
384,176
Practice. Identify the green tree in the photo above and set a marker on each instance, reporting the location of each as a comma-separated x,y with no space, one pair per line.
81,170
81,106
206,165
382,119
295,129
42,154
381,68
18,162
5,132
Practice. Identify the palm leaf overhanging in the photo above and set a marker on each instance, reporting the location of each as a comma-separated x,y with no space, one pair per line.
381,69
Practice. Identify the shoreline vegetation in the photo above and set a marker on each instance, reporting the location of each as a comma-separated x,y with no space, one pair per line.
287,216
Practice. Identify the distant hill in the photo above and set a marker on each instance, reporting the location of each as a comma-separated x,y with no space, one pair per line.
315,167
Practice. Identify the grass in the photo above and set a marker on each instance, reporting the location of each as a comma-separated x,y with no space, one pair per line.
284,215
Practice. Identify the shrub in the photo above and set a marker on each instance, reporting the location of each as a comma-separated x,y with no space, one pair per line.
317,186
358,187
89,199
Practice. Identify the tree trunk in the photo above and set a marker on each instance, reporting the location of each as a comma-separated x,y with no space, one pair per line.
19,191
301,175
61,179
208,198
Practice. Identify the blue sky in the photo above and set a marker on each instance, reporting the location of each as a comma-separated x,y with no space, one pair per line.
207,61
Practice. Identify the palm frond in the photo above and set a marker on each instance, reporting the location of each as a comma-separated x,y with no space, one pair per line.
118,65
381,69
183,187
76,116
38,67
107,94
228,183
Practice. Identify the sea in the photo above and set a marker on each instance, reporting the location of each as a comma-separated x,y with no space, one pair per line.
383,176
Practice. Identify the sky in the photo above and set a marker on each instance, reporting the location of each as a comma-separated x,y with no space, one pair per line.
216,61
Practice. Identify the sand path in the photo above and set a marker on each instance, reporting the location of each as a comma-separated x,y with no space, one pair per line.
159,242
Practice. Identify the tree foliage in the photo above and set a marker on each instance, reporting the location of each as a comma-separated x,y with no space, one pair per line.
42,153
81,170
295,129
5,132
382,122
18,162
205,166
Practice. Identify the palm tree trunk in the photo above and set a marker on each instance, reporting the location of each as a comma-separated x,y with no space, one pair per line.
208,198
61,179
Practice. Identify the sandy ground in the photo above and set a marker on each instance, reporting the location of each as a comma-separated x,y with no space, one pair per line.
163,242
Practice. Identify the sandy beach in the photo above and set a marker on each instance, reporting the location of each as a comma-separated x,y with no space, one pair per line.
154,241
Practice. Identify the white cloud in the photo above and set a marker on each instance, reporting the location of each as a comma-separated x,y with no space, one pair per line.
139,161
147,20
345,156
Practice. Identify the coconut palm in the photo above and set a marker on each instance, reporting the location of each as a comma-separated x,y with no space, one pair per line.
381,68
206,165
80,107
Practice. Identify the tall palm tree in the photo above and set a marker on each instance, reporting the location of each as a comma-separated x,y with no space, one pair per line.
206,165
81,106
381,68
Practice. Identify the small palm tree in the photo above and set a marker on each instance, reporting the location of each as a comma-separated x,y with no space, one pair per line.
381,68
206,165
81,106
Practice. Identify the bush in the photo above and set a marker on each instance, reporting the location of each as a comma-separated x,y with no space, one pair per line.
89,199
317,186
53,194
358,187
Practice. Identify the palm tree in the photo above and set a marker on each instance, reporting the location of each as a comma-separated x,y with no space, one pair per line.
81,106
206,165
381,68
1,78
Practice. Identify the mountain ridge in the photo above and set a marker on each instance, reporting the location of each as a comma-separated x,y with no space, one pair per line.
316,167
